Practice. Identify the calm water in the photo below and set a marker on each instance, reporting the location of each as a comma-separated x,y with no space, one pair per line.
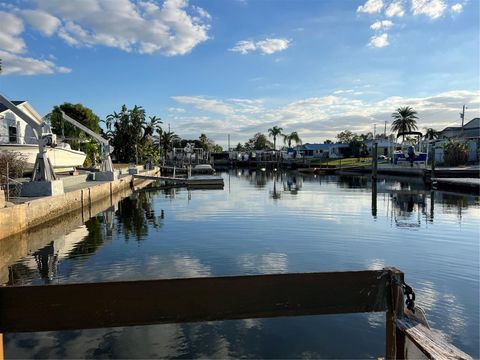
265,223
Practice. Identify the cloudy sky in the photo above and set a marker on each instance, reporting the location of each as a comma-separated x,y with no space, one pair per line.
241,66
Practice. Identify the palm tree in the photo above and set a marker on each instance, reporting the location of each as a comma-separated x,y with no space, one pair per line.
293,136
431,134
167,139
151,127
405,120
274,132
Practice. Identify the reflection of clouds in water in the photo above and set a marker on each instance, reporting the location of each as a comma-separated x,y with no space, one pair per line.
271,263
252,323
376,320
155,267
428,298
375,264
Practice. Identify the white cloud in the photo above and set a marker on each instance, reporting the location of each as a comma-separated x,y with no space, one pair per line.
384,24
457,8
174,28
270,46
14,64
12,28
42,21
314,118
431,8
13,50
371,6
175,110
244,47
395,9
379,41
267,47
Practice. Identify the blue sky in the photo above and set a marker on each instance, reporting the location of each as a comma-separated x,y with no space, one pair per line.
241,66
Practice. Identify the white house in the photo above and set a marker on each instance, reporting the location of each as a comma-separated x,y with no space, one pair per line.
14,130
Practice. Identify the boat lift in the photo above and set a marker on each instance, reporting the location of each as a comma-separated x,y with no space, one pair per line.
44,182
106,172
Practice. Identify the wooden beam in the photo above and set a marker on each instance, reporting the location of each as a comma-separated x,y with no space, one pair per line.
81,306
432,345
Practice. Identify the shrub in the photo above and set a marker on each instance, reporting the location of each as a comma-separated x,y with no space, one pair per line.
16,165
455,153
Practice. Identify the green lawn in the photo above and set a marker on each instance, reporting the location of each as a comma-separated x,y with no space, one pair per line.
344,162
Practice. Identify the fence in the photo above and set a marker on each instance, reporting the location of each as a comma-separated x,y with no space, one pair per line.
11,187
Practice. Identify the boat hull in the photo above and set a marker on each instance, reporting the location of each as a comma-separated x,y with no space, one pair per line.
62,159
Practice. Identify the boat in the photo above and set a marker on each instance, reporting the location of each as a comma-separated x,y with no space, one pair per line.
203,169
408,154
18,136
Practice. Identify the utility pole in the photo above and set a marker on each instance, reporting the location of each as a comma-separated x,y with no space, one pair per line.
385,131
374,130
462,116
228,142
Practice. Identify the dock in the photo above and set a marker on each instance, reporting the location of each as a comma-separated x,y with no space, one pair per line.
468,184
192,181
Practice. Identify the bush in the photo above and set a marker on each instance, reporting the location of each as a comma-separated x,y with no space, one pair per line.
455,153
16,165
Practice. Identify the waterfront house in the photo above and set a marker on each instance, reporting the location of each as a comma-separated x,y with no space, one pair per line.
318,151
14,130
470,133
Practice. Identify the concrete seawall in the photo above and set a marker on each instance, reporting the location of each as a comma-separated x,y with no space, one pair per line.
22,217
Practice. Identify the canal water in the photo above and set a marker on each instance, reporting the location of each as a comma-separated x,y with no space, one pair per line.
264,223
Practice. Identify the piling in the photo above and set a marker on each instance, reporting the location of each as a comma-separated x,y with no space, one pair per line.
374,161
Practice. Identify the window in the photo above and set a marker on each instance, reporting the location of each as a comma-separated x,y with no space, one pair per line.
12,134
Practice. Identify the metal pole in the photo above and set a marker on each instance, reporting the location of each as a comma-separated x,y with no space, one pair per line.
8,182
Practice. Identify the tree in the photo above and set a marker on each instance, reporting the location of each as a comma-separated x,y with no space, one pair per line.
293,136
77,139
346,137
405,120
132,136
240,147
431,134
274,132
258,142
168,139
328,141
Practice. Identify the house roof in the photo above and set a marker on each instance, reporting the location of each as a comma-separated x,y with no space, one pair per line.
308,146
470,129
15,102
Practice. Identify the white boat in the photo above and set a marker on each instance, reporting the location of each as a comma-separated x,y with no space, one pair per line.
203,169
17,136
62,157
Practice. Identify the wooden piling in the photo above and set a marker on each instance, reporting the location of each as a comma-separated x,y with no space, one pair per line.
374,161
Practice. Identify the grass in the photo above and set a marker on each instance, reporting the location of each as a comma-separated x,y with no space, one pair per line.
344,162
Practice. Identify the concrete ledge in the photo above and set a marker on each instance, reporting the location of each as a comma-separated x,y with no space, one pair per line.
105,176
33,213
42,188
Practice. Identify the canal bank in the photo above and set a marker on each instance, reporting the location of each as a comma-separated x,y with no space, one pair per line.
21,217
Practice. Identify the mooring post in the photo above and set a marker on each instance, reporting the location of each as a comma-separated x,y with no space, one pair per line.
1,347
375,162
395,339
432,173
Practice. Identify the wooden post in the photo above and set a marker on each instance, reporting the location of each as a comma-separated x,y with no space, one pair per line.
395,339
432,173
375,162
2,355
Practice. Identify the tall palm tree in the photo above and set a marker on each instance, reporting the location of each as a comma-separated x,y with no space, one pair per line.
405,119
274,132
151,127
293,136
167,139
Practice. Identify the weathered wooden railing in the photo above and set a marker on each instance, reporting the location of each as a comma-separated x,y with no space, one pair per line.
108,304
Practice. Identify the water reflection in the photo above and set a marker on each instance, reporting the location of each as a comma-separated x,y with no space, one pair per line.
264,222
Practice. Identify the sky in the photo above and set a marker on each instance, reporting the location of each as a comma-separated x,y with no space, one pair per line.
239,67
